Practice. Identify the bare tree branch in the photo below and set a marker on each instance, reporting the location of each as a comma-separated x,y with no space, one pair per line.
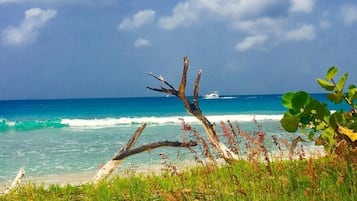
132,141
193,108
196,89
161,79
127,151
110,166
17,181
182,87
151,146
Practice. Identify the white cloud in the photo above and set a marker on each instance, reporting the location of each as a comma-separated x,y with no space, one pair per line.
264,25
194,11
304,6
305,32
141,42
183,14
251,42
349,14
256,20
27,31
139,19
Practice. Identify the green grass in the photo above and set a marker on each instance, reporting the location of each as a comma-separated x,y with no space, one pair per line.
311,179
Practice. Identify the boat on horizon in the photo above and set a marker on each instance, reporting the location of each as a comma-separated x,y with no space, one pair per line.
213,95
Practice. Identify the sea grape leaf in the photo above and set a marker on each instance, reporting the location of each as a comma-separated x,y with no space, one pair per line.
335,97
312,106
328,134
305,119
290,122
300,99
311,135
353,124
331,73
341,83
348,132
287,98
352,93
321,126
336,119
321,110
326,84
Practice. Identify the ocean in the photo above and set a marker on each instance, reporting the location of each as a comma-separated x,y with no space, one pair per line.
49,137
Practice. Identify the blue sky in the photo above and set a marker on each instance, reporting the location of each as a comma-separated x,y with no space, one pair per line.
85,49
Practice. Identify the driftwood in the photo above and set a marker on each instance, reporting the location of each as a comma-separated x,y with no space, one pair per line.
194,109
127,151
17,181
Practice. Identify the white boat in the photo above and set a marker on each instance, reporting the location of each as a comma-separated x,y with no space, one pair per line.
213,95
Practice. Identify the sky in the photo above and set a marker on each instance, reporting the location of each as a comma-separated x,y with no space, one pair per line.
54,49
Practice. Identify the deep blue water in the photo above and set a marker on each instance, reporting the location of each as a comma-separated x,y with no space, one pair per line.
64,136
126,107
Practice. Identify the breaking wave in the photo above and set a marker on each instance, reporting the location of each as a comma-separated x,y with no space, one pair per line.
6,125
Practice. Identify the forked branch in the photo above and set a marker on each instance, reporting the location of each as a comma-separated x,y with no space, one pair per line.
194,109
152,146
127,151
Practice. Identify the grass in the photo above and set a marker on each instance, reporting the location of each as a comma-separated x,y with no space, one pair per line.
256,177
311,179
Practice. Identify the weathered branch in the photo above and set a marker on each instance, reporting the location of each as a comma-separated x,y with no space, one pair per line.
110,166
132,141
196,89
16,181
182,87
161,79
193,108
152,146
127,151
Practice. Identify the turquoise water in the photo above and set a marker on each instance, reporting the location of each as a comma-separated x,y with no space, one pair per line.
68,136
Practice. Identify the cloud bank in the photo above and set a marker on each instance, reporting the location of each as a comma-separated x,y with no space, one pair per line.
138,20
28,30
256,19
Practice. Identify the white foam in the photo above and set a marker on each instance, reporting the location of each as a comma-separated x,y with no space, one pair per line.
113,122
11,123
228,97
244,117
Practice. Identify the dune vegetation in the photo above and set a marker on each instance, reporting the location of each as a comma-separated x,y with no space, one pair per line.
252,178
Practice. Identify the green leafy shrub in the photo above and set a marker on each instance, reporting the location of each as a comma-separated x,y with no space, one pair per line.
336,130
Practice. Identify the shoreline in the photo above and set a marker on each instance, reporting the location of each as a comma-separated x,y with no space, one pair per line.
78,178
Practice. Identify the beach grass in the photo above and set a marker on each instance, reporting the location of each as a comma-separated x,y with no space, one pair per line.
325,178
